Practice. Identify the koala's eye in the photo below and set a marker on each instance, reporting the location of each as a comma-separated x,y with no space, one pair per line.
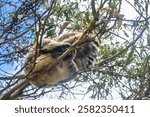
96,43
91,58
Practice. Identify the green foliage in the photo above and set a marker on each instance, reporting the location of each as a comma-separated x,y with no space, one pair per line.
123,63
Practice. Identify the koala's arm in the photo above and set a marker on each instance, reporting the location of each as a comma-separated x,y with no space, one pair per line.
34,61
42,62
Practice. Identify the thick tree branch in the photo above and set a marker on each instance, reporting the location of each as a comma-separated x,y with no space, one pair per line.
8,94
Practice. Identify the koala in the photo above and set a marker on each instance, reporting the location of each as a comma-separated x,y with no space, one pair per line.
65,70
49,53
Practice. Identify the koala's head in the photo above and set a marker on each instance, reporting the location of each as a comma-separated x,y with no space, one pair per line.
86,54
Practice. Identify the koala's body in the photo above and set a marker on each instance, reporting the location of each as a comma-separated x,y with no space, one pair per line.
66,69
49,53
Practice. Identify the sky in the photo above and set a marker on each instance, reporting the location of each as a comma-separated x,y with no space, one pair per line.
129,13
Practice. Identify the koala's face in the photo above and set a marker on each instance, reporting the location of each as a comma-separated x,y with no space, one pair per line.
86,54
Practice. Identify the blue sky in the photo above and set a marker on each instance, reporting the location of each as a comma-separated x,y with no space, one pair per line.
5,12
126,9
